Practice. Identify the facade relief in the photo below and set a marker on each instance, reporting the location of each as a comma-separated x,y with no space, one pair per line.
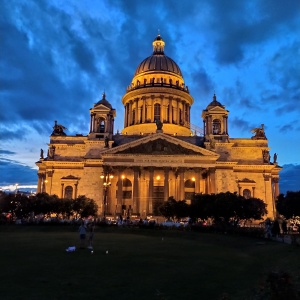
159,147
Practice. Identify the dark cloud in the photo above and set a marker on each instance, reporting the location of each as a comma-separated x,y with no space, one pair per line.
241,124
7,152
290,126
265,19
289,178
12,172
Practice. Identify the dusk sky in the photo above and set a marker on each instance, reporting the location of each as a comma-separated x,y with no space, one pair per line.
57,57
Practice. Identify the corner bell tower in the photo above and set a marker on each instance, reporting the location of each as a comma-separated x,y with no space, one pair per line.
102,120
215,121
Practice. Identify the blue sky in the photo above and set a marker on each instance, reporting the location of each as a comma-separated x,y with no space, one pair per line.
57,58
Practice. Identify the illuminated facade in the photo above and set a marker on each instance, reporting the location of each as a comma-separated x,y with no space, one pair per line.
159,152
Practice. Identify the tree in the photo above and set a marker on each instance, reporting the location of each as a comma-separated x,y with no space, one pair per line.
181,209
253,208
289,205
84,207
202,206
167,209
226,206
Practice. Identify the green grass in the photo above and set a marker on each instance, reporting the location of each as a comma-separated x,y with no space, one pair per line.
140,264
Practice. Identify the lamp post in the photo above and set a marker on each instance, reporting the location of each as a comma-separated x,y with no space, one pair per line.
106,177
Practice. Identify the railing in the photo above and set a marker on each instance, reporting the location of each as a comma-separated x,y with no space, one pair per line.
158,84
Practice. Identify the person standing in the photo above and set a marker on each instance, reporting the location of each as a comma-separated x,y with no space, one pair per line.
91,234
82,235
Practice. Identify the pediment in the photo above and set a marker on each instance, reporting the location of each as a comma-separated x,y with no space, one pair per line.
217,109
157,147
101,107
160,144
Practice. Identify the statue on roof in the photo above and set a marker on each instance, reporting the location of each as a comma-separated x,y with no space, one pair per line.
266,156
259,133
159,124
58,129
51,152
106,140
275,158
42,154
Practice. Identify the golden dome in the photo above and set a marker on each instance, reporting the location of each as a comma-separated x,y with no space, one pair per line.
158,61
157,95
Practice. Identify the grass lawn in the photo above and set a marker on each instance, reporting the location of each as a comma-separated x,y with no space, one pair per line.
140,264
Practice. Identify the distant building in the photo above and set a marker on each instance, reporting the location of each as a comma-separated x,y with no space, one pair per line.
159,152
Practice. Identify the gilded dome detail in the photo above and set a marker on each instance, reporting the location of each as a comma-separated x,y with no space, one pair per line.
158,61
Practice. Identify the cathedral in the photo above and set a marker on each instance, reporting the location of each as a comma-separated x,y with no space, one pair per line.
159,153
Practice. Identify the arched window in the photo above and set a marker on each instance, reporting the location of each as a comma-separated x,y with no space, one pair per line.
68,192
102,126
246,194
216,126
156,112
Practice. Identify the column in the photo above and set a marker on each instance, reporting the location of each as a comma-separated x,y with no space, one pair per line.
135,190
39,186
226,124
212,181
136,111
152,108
253,192
181,184
143,110
178,115
151,183
62,191
207,179
91,122
197,180
269,198
166,183
130,113
162,111
170,110
209,125
75,191
276,187
126,115
119,192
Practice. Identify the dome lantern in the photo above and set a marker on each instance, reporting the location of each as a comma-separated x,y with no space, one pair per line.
158,45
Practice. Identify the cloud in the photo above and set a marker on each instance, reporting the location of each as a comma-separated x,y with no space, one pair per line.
7,152
289,178
18,173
